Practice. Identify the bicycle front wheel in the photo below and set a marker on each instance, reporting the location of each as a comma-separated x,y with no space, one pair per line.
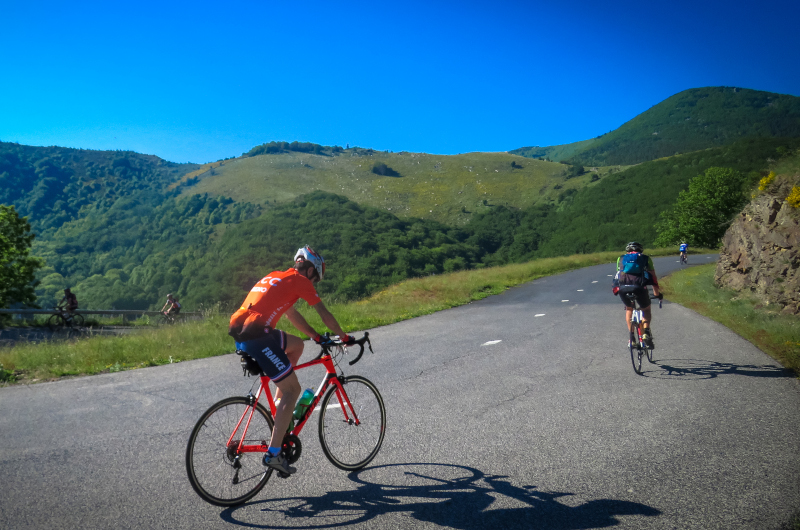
650,355
351,438
55,323
218,472
77,320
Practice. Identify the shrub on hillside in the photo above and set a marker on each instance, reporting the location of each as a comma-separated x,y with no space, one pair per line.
384,170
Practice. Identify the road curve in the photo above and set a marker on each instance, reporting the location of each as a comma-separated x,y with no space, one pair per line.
518,411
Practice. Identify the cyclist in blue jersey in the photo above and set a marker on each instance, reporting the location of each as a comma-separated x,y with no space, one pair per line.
683,248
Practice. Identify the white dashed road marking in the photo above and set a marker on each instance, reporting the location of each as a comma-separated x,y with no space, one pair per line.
336,406
491,342
580,290
539,315
565,300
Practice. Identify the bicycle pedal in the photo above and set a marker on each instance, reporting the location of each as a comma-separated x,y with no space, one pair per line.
284,475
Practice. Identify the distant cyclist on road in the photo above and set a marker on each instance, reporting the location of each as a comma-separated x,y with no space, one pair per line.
277,352
683,249
173,304
635,271
69,303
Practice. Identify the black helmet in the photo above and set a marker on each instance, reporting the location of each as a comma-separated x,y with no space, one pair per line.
633,246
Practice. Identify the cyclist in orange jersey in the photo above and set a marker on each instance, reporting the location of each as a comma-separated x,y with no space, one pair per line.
277,352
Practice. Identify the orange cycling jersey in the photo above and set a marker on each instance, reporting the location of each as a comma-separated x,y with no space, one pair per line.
268,301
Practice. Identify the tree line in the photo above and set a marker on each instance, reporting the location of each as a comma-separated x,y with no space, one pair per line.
274,148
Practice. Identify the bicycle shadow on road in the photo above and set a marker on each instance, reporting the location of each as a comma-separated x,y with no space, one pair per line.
702,369
447,495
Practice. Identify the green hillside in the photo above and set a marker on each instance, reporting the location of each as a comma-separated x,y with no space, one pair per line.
53,185
124,229
689,121
132,254
620,208
108,222
447,189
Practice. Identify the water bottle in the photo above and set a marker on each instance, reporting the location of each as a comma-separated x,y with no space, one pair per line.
303,403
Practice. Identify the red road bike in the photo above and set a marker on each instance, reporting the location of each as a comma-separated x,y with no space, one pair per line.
224,456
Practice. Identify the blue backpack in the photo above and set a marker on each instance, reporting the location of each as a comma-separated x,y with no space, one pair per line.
635,264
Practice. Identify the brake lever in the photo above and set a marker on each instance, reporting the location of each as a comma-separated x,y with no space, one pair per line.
360,343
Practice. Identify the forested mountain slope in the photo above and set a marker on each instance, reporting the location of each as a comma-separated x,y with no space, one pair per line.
688,121
52,185
626,206
102,216
176,247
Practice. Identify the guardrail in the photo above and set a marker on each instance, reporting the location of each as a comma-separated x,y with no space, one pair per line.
126,314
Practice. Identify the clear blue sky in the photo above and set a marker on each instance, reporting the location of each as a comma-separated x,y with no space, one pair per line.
199,81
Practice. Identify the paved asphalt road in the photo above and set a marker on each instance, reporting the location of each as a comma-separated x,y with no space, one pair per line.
548,428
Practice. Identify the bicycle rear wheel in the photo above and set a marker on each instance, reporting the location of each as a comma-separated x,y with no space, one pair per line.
348,445
217,471
636,351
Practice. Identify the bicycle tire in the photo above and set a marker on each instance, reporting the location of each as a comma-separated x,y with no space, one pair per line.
210,462
636,352
650,355
77,321
349,446
55,323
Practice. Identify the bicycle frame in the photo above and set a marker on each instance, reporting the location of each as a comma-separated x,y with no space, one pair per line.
331,377
637,317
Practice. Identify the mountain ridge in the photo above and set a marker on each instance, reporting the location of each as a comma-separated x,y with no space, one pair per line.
690,120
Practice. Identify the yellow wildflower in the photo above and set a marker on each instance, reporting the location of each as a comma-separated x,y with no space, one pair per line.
766,181
794,197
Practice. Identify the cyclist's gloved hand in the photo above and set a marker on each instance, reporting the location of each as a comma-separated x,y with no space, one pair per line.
323,340
347,339
660,296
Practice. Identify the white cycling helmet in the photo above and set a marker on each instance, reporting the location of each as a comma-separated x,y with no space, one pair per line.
633,246
307,254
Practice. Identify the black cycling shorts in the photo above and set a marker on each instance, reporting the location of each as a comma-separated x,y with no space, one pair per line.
268,351
639,292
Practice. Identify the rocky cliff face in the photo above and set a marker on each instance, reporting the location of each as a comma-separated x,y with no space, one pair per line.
761,250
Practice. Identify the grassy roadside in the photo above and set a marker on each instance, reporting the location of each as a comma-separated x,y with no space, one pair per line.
775,334
25,363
